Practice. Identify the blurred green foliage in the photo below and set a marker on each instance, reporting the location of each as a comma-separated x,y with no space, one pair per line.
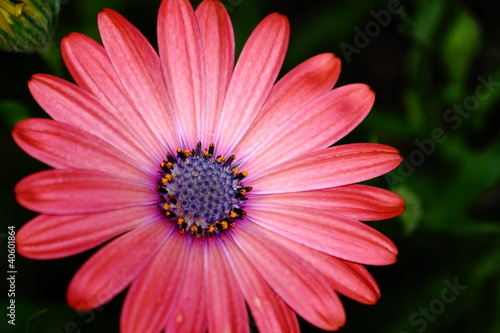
426,66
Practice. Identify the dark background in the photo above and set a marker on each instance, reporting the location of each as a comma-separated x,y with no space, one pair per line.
424,62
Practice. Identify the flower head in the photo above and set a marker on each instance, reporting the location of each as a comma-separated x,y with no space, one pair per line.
26,25
214,185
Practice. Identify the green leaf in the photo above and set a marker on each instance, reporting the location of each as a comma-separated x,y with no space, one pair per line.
460,44
12,111
478,172
412,216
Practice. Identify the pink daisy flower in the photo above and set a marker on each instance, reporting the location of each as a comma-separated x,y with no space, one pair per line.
213,186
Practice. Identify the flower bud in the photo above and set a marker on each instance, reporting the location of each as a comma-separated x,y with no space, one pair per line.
27,25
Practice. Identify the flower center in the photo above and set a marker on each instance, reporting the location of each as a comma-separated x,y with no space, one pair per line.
202,194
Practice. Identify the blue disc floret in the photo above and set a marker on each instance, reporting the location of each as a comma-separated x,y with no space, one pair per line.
200,193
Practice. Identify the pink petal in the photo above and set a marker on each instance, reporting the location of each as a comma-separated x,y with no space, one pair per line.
71,105
226,311
52,237
114,266
299,285
153,294
181,54
189,314
315,126
252,80
358,202
333,234
218,46
350,279
65,146
91,68
270,313
309,80
335,166
138,67
70,192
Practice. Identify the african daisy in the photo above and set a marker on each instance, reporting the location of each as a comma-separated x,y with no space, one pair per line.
212,185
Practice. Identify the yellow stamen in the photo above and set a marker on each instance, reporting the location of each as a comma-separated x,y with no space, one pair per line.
166,179
11,8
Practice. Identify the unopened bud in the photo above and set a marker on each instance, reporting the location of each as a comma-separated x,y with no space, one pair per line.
27,25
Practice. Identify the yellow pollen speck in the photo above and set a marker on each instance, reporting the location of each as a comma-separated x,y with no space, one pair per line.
170,165
205,153
187,152
166,179
193,228
221,159
235,171
198,236
180,221
166,206
211,228
233,214
224,225
244,173
243,191
182,231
